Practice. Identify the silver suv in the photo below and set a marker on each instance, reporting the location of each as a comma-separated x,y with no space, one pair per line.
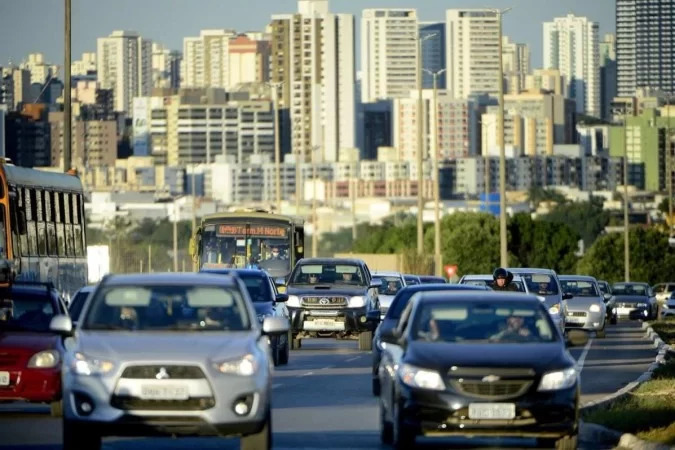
168,354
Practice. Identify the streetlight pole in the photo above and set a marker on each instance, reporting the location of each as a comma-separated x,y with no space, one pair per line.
437,179
315,227
502,152
626,237
669,173
175,236
67,114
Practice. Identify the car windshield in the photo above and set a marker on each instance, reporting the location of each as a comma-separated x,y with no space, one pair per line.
390,284
162,308
328,274
76,305
258,287
604,288
630,289
540,284
26,311
579,288
520,287
432,280
472,322
411,280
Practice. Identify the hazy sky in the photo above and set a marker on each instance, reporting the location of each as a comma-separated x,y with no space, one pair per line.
28,26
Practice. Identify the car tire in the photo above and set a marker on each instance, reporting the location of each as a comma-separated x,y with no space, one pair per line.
262,440
366,340
386,428
284,354
79,436
403,436
601,334
614,320
376,386
56,408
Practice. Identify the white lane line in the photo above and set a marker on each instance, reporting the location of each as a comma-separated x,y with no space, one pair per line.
307,374
582,358
276,385
352,359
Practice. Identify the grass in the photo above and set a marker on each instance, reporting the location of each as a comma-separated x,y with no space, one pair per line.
649,411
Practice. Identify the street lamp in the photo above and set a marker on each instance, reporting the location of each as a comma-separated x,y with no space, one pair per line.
420,145
437,221
669,173
626,236
486,156
315,230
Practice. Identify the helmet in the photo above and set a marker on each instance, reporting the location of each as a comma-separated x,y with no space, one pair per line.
500,273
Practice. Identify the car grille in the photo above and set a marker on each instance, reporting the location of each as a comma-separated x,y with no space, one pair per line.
134,403
173,372
9,360
508,382
324,302
578,314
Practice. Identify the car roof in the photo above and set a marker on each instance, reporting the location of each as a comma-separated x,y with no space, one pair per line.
525,270
387,274
352,261
88,288
441,287
32,287
490,296
488,276
175,279
235,272
576,277
626,283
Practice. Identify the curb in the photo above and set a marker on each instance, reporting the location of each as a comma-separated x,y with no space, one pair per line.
598,433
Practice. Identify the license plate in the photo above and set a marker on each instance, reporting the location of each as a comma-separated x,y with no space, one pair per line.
327,323
492,411
4,378
167,392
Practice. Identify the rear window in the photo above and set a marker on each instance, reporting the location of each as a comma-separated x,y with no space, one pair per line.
258,288
27,310
579,288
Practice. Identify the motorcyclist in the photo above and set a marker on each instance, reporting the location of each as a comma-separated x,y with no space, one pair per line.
503,280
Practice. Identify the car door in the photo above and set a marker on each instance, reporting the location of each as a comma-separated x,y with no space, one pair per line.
392,354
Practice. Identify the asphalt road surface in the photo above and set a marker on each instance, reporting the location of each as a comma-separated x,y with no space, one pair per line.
322,400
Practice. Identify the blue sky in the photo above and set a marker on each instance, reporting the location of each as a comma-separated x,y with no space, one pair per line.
37,25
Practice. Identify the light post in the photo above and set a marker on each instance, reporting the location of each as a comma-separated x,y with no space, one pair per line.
67,105
176,216
626,236
502,152
669,173
486,156
437,178
315,227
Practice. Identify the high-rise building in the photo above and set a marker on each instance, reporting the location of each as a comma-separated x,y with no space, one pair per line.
124,64
206,62
389,51
571,46
249,60
165,67
85,66
374,128
433,53
516,64
40,71
16,84
608,75
472,52
645,45
313,59
549,80
94,142
27,137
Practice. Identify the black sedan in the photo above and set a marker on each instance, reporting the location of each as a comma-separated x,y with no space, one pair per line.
478,364
397,306
609,300
267,301
635,301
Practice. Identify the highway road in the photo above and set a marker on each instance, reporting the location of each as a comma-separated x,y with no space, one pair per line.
322,400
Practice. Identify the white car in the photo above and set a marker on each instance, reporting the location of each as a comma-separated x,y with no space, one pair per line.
392,282
669,307
663,291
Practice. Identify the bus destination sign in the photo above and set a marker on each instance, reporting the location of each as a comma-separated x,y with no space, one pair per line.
270,231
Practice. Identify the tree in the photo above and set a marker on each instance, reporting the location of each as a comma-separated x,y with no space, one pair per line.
537,195
587,219
652,260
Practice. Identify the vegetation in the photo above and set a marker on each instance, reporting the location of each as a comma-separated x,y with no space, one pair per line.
587,219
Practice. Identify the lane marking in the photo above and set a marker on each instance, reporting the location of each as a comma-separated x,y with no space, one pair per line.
276,385
582,358
352,359
307,374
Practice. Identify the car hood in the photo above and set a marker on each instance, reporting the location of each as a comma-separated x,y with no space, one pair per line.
583,303
442,356
163,346
263,307
631,299
326,290
28,341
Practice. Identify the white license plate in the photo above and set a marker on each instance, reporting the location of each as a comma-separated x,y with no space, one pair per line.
323,325
166,392
4,378
492,411
624,311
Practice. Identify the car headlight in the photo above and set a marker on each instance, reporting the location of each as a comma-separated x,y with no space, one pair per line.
561,379
47,359
293,301
641,305
595,308
555,309
86,365
357,302
421,378
244,366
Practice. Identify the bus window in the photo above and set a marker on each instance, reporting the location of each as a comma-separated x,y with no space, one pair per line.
41,225
31,217
3,232
52,249
78,228
70,245
60,230
23,238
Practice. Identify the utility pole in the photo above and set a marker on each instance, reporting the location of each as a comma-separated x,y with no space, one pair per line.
175,236
194,200
626,236
315,218
502,152
149,258
67,114
352,190
669,172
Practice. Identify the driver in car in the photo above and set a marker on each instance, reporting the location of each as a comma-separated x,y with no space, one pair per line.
515,329
392,287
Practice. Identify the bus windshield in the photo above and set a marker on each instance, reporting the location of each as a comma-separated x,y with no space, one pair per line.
241,245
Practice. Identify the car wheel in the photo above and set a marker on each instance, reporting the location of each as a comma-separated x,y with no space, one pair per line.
56,408
601,334
262,440
79,436
366,340
403,436
386,427
284,354
376,386
614,320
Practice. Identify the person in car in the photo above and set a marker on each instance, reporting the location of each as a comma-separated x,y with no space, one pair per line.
515,329
313,278
503,280
392,288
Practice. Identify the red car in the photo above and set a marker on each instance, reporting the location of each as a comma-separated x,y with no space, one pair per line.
30,354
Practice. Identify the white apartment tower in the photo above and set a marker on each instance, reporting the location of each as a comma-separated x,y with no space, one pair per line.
389,53
313,60
206,59
124,64
165,67
516,64
472,52
571,46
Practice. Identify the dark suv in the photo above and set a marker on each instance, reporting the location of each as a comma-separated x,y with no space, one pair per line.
330,297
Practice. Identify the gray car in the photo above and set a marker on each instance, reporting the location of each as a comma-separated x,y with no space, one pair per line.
586,309
168,354
392,283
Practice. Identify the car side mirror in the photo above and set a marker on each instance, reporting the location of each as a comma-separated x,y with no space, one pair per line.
281,298
375,284
61,324
607,297
567,296
273,326
577,338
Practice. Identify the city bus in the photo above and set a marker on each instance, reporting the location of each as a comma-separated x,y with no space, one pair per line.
43,227
249,239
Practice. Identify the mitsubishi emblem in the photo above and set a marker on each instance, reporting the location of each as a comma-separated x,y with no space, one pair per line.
162,374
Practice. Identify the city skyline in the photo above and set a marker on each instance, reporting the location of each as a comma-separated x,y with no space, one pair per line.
522,24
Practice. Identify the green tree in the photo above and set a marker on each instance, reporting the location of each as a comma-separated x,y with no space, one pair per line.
651,258
537,195
587,219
